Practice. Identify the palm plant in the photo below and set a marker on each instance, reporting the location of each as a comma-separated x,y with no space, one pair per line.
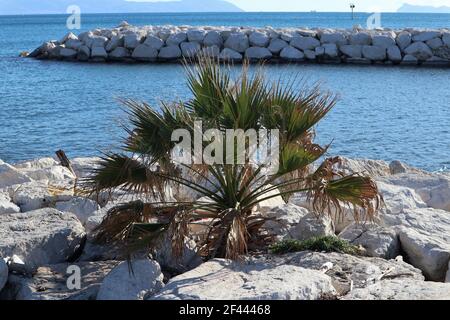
227,193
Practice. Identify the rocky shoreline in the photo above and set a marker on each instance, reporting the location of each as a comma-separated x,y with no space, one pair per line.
152,44
46,226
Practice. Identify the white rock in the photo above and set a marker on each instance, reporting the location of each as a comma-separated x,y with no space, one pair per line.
374,53
286,218
265,206
10,176
373,168
115,42
258,53
427,251
292,54
53,174
196,35
435,43
353,51
434,189
402,290
144,278
230,55
119,53
190,49
49,282
259,39
73,44
398,198
188,260
446,39
394,54
144,53
238,42
331,50
403,40
226,280
84,167
82,208
154,42
350,271
305,43
310,54
84,53
311,226
397,167
335,37
376,240
6,205
36,195
99,53
93,41
176,38
419,50
3,273
41,163
276,45
132,40
383,41
319,51
67,37
213,38
360,38
66,53
409,60
170,52
426,35
40,237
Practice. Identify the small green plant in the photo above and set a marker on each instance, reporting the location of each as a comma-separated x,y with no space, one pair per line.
318,244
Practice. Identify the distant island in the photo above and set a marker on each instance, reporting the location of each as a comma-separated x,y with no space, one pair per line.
9,7
423,9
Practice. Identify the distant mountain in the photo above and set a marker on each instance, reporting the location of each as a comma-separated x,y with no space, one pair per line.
423,9
8,7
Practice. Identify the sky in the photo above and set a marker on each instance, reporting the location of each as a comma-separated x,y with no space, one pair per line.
330,5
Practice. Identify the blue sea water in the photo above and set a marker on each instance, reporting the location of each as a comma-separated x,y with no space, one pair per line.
384,112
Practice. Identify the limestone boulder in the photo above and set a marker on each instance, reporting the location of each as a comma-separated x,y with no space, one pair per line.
352,50
238,42
6,204
99,53
213,38
360,39
419,50
284,219
331,50
337,38
292,54
394,54
190,49
51,282
114,42
170,52
154,42
383,41
276,45
259,39
132,281
67,53
374,53
226,280
145,53
196,35
403,40
82,208
119,53
377,241
425,36
132,40
435,43
313,225
40,237
10,176
84,53
305,43
402,290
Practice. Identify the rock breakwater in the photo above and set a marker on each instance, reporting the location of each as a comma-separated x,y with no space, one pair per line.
151,44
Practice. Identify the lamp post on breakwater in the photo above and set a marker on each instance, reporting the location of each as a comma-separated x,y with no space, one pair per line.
352,7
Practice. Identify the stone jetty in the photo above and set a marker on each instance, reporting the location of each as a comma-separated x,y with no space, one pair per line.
127,43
